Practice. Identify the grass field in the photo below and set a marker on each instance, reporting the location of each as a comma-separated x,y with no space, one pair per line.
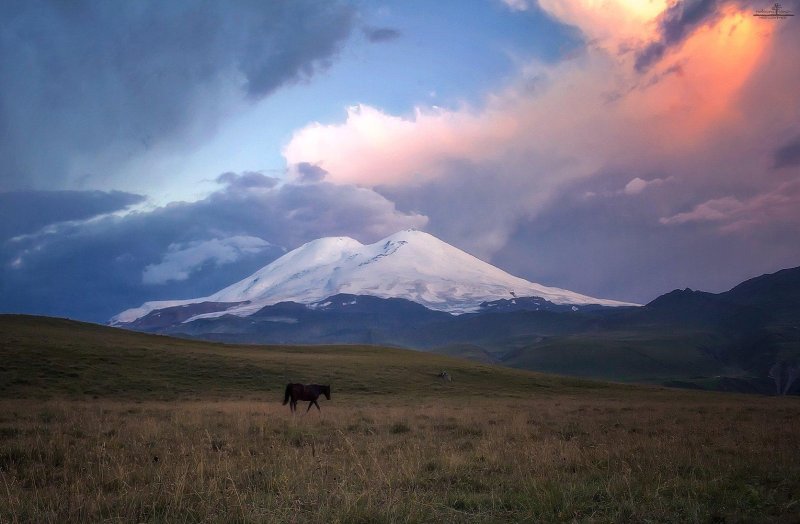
105,425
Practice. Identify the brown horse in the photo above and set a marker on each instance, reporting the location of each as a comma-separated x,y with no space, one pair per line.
310,392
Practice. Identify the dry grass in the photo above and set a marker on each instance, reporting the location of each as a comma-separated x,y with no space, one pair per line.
659,457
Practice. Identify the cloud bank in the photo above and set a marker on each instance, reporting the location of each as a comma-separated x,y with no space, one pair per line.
89,85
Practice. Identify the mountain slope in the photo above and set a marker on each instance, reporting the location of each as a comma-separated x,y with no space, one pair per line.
411,265
746,339
55,358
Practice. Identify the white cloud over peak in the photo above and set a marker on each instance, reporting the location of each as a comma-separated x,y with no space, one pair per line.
181,259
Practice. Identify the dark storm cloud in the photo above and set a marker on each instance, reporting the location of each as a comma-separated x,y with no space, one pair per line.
313,31
28,211
381,34
788,155
82,79
677,21
95,269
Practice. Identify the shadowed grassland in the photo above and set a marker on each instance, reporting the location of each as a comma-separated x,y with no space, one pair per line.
44,357
194,432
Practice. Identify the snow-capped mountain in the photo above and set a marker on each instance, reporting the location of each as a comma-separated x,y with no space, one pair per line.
411,265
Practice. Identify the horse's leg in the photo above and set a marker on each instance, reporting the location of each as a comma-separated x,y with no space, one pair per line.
315,403
309,406
293,405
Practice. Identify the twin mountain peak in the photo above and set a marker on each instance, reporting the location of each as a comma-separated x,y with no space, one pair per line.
411,265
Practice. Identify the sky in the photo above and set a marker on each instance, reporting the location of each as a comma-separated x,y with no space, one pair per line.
619,148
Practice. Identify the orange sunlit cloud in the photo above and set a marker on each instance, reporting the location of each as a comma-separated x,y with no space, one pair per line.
691,89
703,76
610,23
372,147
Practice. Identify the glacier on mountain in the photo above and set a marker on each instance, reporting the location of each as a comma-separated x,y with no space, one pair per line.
410,264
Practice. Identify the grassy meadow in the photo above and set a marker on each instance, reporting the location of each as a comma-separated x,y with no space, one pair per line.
99,424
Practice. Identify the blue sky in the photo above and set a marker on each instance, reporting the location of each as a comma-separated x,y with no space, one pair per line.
156,150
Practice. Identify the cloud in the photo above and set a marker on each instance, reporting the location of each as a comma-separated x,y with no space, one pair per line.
517,5
117,259
780,205
182,259
788,155
372,147
551,114
716,210
247,180
637,185
675,24
308,173
468,207
89,85
24,212
614,25
381,34
616,247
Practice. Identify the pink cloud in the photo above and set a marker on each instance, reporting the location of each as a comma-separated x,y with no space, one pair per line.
715,210
612,24
637,185
779,205
372,147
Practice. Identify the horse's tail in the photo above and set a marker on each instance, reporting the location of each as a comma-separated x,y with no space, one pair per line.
287,394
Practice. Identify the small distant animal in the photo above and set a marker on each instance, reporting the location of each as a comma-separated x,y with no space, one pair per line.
444,375
309,392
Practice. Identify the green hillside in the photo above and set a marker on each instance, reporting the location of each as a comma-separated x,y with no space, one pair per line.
46,357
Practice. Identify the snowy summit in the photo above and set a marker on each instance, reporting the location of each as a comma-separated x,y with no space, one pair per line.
411,264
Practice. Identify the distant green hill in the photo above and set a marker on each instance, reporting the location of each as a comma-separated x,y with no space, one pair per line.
737,340
44,357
